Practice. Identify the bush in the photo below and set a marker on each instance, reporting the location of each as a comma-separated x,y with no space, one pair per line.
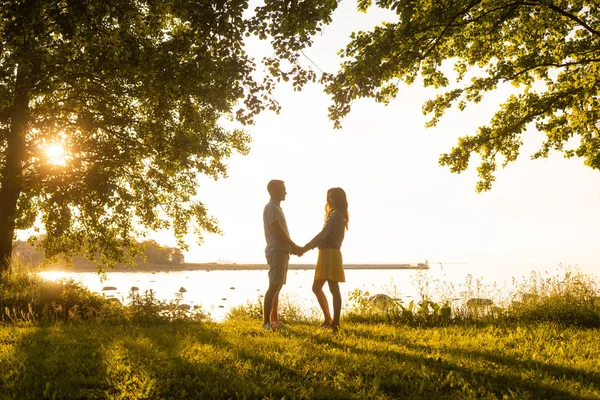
146,308
24,296
366,308
250,310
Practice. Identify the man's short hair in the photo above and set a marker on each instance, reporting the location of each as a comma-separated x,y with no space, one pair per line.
273,185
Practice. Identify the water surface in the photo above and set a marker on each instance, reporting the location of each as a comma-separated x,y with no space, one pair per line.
217,291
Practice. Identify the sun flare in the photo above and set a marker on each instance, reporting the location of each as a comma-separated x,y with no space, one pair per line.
56,154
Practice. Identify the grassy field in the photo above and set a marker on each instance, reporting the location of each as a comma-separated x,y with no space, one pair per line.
59,340
237,359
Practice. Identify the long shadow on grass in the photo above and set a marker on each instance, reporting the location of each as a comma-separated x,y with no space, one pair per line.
582,376
204,363
170,360
414,380
55,361
159,351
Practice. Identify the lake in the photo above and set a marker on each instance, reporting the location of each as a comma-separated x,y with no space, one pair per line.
218,291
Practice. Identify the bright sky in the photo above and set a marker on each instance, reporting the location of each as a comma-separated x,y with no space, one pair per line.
404,207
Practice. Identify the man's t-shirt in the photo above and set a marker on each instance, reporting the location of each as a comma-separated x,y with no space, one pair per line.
273,212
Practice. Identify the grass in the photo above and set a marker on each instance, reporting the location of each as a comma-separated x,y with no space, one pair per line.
237,359
58,340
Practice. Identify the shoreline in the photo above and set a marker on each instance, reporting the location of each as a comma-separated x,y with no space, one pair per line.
222,267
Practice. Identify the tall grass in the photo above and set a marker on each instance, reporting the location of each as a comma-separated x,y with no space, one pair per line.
288,310
572,298
569,298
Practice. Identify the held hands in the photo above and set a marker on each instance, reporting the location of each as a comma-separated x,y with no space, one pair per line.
298,251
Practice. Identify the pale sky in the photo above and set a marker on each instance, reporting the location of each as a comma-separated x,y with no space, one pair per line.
403,206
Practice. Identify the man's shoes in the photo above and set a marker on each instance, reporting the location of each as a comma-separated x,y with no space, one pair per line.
277,325
273,325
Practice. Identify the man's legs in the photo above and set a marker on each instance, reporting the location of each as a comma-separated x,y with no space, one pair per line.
273,315
317,289
278,267
270,303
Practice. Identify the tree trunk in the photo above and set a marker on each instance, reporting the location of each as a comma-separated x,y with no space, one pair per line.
12,184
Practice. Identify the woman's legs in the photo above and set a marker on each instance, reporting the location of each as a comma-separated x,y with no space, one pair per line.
322,299
334,287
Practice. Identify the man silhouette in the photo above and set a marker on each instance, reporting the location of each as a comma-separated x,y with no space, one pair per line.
277,252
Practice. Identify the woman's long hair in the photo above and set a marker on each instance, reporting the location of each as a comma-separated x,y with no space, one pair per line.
340,203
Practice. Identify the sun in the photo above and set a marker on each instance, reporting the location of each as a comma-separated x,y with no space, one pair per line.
56,154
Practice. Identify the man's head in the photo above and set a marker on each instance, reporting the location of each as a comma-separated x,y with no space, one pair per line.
276,189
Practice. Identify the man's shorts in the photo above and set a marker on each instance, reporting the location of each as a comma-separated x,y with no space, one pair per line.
278,268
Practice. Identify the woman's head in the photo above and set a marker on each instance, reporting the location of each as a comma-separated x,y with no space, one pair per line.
336,200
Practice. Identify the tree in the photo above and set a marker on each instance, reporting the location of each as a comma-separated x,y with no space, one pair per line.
176,256
154,253
548,48
133,93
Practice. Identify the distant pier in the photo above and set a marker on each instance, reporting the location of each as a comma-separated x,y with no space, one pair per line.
224,267
233,267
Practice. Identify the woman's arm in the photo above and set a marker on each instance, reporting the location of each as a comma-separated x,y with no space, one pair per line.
328,228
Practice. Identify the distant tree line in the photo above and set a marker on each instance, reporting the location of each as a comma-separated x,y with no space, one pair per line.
157,254
153,253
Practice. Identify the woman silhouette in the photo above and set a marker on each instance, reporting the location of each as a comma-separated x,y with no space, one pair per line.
329,264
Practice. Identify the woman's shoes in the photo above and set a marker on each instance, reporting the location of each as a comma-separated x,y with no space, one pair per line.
330,325
325,325
273,326
277,325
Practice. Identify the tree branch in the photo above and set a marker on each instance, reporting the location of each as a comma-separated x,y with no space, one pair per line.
567,64
572,17
448,25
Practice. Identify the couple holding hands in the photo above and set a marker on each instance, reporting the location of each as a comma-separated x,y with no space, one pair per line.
329,264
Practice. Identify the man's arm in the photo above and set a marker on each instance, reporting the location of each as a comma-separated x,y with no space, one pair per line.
283,237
